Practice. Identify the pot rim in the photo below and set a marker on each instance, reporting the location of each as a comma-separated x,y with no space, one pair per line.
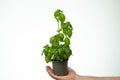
59,60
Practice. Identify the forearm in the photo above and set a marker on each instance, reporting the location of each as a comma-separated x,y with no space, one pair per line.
95,78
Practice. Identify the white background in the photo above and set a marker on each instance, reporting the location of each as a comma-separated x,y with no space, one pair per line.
26,26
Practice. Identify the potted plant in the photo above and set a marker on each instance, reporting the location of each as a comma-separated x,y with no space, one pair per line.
59,51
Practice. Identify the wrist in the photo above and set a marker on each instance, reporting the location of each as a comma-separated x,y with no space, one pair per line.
77,77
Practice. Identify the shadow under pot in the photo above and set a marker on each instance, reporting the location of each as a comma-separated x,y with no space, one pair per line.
60,68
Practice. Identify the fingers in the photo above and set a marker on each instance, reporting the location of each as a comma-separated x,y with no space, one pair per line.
50,72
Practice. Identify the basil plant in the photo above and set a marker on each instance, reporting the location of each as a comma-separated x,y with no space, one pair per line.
59,47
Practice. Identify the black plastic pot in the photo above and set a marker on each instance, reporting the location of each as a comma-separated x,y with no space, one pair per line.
60,68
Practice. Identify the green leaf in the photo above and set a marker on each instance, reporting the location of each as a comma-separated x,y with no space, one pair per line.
59,30
47,59
64,25
55,54
60,37
65,56
67,41
57,13
43,51
65,31
68,52
69,25
46,46
67,28
60,51
62,17
50,50
69,33
55,44
59,16
52,39
57,58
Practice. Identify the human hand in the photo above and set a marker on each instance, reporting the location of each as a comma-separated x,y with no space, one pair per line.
73,76
70,76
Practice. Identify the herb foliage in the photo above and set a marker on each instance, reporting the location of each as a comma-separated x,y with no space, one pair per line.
59,47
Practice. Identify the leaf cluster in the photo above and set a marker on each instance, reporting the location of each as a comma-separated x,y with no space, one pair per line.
59,48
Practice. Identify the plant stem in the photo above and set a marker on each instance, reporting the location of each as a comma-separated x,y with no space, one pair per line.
58,25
